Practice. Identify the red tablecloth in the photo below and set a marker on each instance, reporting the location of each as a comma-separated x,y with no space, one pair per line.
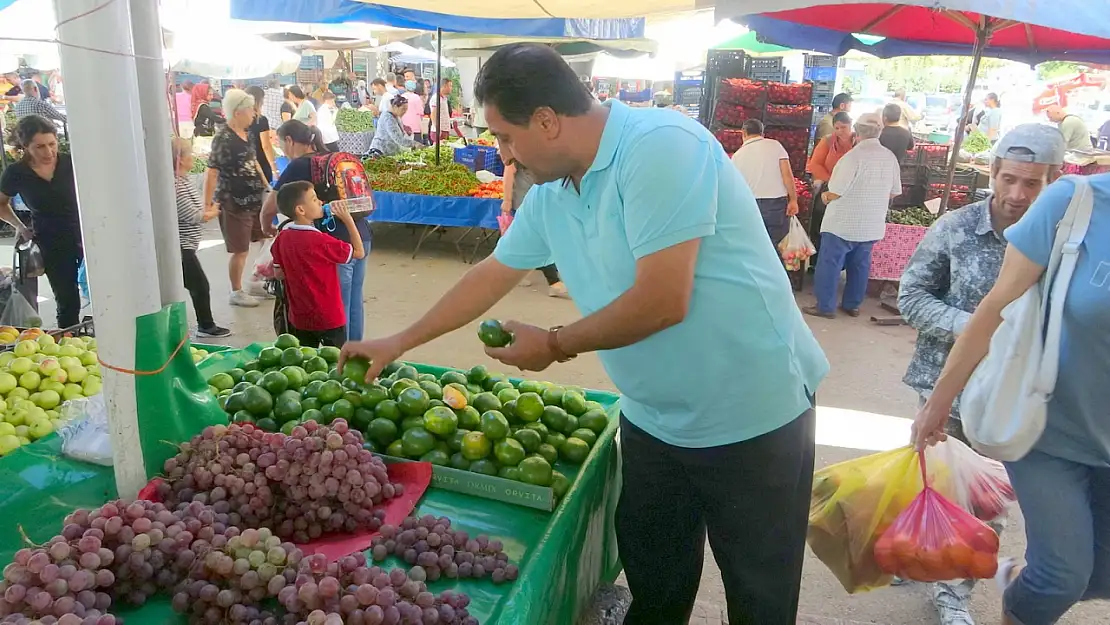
890,255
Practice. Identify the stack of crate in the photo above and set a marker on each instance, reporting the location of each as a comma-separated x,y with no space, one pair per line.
820,69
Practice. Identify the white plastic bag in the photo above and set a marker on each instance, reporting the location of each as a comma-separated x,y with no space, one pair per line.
796,248
19,313
1004,406
264,265
975,483
85,433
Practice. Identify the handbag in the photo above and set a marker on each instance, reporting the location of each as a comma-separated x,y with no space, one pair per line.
1004,406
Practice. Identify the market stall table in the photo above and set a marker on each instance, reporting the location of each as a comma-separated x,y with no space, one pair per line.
438,212
563,555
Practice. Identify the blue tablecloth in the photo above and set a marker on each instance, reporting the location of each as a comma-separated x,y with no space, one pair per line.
431,210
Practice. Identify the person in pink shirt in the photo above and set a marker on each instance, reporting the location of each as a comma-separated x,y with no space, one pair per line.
413,117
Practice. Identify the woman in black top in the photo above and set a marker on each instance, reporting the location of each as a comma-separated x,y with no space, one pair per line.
44,180
261,135
205,120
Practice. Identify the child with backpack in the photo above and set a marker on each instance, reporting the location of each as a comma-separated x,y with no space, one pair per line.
336,176
306,260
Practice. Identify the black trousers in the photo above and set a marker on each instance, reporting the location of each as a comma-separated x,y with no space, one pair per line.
773,210
335,337
61,260
196,282
551,274
751,497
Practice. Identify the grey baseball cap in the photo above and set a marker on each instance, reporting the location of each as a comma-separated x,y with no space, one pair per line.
1032,143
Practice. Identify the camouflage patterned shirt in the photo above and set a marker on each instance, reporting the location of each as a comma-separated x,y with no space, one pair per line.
951,271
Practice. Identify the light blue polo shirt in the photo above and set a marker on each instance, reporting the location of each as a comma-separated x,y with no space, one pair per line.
743,362
1078,426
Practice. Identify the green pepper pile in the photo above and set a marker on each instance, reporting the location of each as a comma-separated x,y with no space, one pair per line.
351,120
911,216
977,142
399,176
9,119
200,165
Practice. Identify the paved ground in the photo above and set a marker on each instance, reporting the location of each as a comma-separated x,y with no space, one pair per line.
863,405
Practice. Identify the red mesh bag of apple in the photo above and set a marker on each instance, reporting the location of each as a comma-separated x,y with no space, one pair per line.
976,483
934,539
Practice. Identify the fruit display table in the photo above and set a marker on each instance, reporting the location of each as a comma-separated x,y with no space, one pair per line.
563,555
436,212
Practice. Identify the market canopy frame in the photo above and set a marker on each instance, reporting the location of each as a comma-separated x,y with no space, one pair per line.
1035,29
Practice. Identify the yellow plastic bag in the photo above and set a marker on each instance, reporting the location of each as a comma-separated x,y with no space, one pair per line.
852,504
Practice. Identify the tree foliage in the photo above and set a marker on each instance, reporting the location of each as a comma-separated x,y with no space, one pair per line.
946,74
1058,69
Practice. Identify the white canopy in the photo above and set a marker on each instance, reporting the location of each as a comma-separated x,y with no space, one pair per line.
214,53
550,8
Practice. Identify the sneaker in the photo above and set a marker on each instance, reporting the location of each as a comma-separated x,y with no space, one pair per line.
851,312
558,290
951,602
242,300
213,332
258,290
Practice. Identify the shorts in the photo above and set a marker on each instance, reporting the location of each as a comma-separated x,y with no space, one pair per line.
335,337
240,227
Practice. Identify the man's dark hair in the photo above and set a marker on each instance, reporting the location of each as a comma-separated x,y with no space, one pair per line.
444,82
296,92
407,70
752,127
892,113
522,77
842,118
840,100
994,98
378,81
290,196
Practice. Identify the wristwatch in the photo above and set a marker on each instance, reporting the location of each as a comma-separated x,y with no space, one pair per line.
553,345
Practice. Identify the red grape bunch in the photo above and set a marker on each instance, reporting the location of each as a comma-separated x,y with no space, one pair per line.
436,550
355,594
122,551
317,480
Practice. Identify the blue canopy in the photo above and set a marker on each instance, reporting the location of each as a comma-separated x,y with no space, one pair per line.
837,43
341,11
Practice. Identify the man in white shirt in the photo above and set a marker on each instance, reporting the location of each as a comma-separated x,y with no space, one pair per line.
271,103
765,166
858,197
442,104
325,121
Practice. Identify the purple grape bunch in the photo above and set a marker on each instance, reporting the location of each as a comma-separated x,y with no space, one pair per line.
314,481
435,550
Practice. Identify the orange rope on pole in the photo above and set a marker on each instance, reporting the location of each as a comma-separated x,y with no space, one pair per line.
184,340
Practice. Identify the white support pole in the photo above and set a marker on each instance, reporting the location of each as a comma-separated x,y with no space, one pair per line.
147,32
110,164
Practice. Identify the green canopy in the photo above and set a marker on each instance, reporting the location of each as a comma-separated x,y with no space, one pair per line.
749,42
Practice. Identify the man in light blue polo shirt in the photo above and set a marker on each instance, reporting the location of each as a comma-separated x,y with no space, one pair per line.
663,250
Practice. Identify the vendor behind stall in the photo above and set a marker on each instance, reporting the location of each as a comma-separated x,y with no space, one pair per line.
44,180
390,137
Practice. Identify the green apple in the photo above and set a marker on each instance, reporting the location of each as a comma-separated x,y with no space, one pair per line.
21,431
59,375
46,339
8,444
50,350
21,365
24,349
90,342
38,357
76,374
19,393
6,358
73,391
88,358
49,365
16,418
49,400
69,361
34,398
53,415
94,370
23,440
91,386
52,385
24,404
72,341
6,428
70,351
3,406
30,380
7,382
40,428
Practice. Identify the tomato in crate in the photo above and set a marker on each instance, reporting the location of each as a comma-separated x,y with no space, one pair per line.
749,93
731,139
795,93
794,115
733,115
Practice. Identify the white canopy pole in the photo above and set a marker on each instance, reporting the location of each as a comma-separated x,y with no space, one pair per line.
110,163
156,137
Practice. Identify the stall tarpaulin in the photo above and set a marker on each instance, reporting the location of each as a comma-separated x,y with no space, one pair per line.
343,11
435,210
554,8
220,52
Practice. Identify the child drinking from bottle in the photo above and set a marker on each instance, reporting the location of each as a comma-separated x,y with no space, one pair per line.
306,260
191,216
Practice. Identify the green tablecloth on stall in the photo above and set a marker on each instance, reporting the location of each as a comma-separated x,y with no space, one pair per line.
563,555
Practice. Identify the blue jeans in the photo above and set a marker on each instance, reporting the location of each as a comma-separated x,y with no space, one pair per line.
1067,529
836,255
352,275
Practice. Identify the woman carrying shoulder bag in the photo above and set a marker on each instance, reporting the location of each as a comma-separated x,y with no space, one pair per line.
1063,482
